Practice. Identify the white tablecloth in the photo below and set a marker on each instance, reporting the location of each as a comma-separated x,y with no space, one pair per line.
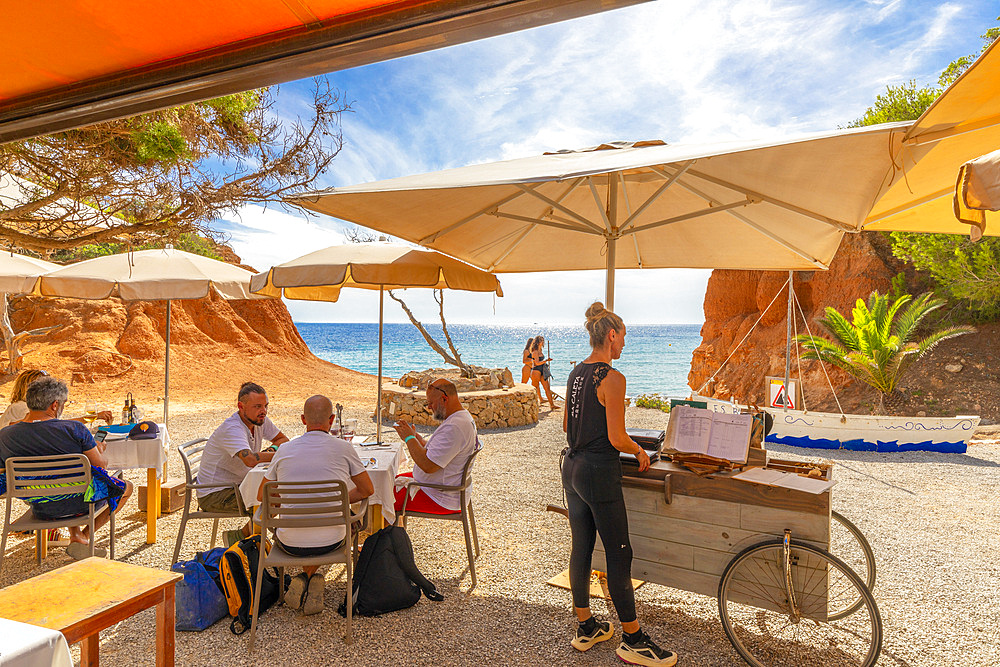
382,464
23,645
123,454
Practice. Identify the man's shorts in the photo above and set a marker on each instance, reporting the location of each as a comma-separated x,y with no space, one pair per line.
223,500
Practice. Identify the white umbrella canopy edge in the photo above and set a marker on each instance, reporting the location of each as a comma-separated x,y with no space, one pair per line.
786,203
320,276
149,275
19,273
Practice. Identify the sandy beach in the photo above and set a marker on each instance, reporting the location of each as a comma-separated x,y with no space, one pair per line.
930,519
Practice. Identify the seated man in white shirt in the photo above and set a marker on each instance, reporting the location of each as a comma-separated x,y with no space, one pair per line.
233,449
315,456
442,458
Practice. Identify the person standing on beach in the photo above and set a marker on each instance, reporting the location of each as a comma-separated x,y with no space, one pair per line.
526,361
232,449
594,423
540,373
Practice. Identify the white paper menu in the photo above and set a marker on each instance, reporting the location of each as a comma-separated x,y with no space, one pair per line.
700,431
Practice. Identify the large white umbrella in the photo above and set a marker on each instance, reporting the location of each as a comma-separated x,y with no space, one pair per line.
320,275
773,204
149,275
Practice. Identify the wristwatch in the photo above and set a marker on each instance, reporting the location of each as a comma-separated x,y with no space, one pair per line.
272,448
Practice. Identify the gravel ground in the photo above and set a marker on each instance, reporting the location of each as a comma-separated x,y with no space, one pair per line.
931,520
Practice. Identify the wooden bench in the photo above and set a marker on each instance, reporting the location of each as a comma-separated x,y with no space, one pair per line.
83,598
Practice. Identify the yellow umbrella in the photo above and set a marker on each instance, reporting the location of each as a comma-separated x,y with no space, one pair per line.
961,125
320,275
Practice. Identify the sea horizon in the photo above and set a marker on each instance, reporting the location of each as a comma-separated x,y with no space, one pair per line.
656,358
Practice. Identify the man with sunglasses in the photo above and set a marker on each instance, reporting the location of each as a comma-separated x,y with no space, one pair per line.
441,458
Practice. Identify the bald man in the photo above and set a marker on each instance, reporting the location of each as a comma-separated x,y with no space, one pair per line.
441,458
315,456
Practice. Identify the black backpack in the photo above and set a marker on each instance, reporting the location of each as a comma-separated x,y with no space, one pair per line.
386,578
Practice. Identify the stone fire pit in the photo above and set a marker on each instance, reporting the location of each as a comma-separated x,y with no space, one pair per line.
492,397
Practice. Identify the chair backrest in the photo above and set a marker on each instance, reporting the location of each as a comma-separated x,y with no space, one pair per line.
46,476
305,504
467,470
191,452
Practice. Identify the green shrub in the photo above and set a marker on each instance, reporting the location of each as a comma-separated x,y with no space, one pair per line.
653,401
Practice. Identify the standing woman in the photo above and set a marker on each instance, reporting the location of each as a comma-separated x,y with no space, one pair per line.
592,478
540,372
526,360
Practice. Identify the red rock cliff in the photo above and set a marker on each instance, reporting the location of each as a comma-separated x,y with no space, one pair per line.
735,300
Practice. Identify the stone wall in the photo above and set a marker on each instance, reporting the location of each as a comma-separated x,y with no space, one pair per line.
494,408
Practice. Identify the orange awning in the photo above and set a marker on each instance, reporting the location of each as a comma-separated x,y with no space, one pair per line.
77,62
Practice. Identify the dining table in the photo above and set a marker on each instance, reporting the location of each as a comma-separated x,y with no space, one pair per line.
382,463
124,453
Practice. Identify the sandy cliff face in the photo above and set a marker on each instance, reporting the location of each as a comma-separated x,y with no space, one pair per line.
736,299
108,347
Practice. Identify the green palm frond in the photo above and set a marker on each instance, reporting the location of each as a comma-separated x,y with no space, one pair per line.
911,318
875,346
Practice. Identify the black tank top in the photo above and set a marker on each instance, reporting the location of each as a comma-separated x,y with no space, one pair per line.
587,419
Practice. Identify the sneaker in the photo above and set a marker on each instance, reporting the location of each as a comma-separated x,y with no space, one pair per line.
231,537
296,591
602,632
315,595
645,652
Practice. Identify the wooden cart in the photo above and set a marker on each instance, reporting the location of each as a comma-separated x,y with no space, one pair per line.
765,554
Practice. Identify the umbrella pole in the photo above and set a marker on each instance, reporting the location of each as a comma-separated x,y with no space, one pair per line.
609,288
378,399
166,371
788,340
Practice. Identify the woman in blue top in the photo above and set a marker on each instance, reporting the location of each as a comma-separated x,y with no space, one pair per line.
592,478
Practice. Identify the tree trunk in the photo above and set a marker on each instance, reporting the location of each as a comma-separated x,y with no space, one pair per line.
455,360
12,341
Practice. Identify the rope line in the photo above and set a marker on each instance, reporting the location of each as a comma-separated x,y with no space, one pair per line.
822,364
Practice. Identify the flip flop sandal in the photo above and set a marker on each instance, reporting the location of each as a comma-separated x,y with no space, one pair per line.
78,551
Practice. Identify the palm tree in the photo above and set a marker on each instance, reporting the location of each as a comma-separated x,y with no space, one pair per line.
876,347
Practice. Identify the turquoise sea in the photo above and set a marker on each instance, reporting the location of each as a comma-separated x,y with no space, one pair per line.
656,358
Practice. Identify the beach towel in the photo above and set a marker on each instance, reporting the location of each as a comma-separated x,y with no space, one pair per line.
103,487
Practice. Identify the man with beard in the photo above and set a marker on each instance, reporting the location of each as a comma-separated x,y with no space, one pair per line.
232,450
441,458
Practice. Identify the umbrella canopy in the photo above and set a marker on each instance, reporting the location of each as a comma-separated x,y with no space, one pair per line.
19,273
780,204
320,275
961,125
149,275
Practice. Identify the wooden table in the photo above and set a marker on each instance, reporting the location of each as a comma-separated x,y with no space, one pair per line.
83,598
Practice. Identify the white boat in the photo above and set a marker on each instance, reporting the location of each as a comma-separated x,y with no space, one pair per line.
871,433
863,433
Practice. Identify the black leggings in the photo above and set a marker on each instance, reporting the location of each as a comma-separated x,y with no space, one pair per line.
593,485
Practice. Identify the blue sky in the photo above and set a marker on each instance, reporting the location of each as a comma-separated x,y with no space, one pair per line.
681,71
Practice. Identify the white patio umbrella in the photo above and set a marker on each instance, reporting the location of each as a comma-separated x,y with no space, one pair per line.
773,204
149,275
319,276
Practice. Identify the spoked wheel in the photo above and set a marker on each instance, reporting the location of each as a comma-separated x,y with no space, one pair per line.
848,543
767,628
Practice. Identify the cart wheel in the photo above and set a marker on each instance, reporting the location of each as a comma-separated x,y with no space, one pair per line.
764,630
848,543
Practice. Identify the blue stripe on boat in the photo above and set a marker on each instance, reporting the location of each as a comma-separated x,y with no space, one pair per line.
859,445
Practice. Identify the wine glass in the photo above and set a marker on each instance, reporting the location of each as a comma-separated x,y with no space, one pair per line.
90,411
